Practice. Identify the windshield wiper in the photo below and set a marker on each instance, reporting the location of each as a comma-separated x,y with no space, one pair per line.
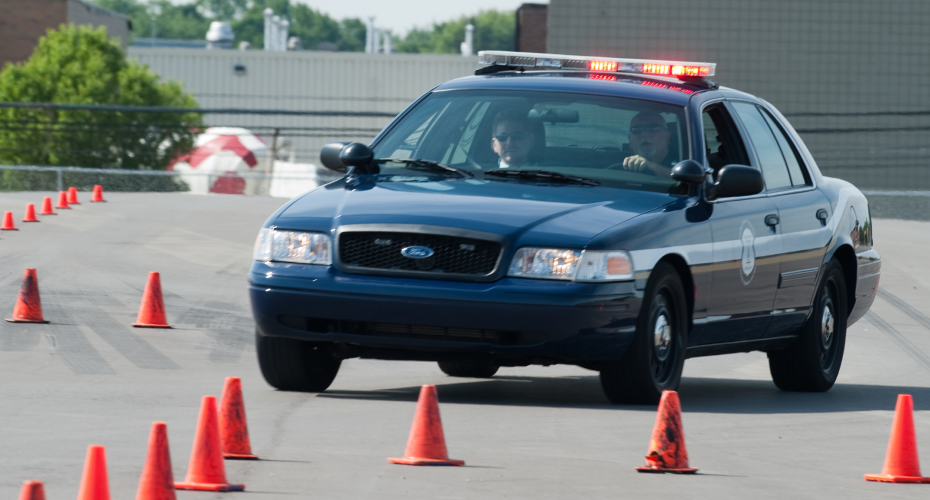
427,165
543,175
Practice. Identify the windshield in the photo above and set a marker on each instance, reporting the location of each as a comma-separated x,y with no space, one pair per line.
617,142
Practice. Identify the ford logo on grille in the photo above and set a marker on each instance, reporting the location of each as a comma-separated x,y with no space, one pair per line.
416,252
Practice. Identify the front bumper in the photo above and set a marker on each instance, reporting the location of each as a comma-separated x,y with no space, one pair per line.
509,321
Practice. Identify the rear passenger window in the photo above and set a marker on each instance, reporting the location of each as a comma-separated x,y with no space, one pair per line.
721,140
771,160
792,158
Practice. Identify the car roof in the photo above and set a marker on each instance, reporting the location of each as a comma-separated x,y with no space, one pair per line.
667,90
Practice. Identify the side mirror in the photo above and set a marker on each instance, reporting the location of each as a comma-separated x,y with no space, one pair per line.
736,180
689,171
329,156
339,156
359,156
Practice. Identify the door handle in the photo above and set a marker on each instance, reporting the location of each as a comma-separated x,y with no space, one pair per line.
771,220
822,214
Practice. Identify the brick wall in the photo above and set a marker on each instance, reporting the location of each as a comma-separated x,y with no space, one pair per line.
531,27
824,56
22,22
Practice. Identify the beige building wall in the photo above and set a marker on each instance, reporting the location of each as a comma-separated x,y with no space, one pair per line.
307,81
117,25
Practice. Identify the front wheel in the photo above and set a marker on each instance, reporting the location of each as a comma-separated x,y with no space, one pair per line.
655,359
295,365
812,362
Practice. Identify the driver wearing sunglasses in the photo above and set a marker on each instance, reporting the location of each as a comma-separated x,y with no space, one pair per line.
512,139
649,136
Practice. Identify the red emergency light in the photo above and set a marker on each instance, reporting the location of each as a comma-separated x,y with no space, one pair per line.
609,66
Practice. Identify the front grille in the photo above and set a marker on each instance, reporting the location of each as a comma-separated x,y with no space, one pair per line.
452,254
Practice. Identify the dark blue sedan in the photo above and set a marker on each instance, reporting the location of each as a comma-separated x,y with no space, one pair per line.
619,215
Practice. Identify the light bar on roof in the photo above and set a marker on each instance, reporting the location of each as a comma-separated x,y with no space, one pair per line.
679,69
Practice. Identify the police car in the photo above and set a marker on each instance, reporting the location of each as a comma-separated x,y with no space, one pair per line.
621,215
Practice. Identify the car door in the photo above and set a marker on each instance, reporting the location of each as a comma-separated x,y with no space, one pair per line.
745,248
802,212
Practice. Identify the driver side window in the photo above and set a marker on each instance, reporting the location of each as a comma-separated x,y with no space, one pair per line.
722,143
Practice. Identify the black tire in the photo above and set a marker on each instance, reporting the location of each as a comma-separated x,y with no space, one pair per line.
812,362
655,359
295,365
470,370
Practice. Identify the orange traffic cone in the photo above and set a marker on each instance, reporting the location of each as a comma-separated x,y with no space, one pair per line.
62,200
152,310
8,222
72,196
157,481
28,308
30,213
97,197
233,428
901,462
426,444
32,490
667,451
206,471
47,207
94,484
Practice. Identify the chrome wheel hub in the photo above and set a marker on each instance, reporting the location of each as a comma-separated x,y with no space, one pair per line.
826,326
662,335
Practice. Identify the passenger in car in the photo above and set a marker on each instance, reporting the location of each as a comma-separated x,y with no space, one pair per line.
649,139
513,138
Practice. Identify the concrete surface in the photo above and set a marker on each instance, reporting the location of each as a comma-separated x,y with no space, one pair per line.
90,378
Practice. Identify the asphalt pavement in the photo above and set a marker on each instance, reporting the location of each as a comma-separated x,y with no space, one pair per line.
88,377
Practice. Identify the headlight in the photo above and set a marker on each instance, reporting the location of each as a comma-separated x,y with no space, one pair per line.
566,264
290,246
545,263
598,265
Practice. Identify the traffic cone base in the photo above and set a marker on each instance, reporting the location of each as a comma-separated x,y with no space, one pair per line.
152,310
902,464
667,450
427,443
209,487
886,478
424,461
28,308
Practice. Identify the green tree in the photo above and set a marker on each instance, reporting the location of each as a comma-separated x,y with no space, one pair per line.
494,30
80,65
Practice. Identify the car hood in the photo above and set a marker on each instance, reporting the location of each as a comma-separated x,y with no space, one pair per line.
561,214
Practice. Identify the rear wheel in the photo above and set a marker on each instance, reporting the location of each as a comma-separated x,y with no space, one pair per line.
812,362
295,365
470,370
656,357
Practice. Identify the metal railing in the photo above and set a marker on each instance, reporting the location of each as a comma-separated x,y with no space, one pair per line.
322,176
